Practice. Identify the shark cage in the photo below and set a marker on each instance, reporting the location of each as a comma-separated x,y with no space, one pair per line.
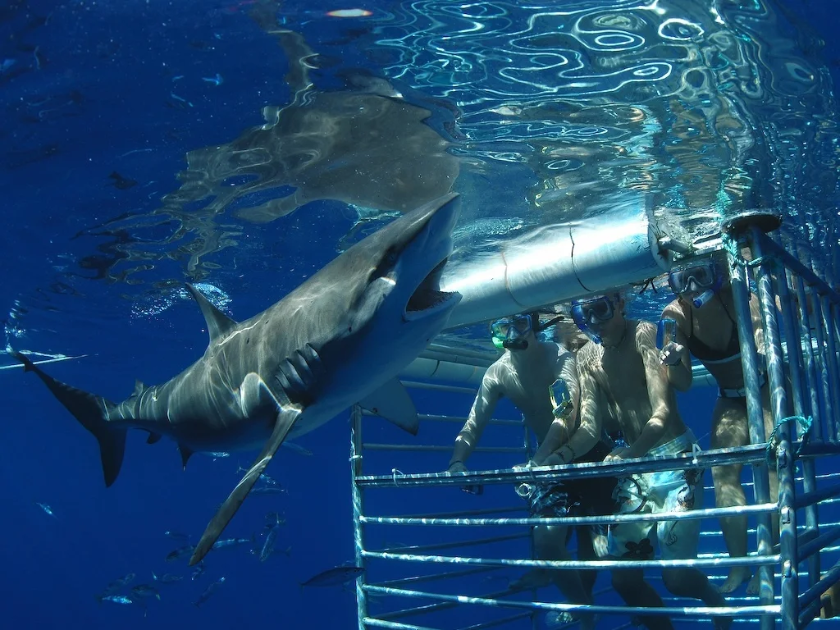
472,568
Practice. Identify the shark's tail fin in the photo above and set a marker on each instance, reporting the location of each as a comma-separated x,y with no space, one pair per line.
91,411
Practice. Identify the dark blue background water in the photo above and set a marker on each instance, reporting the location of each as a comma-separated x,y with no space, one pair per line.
102,91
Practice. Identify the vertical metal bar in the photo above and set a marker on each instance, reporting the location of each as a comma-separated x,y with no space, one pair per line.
833,371
784,453
823,372
801,407
813,388
739,280
358,534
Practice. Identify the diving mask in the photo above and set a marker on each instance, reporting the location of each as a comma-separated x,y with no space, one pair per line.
704,279
509,332
592,313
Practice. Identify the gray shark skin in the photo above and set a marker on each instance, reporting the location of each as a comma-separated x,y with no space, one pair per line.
340,337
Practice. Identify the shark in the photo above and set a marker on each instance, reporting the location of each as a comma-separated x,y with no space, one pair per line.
338,339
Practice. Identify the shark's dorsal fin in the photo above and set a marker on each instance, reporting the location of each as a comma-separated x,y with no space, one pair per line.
218,324
185,455
138,387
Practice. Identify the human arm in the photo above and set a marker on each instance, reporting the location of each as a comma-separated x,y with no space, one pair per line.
659,393
589,432
480,414
564,419
674,358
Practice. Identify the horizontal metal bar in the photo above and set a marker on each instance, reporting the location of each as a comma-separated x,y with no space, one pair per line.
428,608
738,561
696,514
706,611
440,388
456,543
497,622
809,498
369,446
615,468
379,623
488,355
519,508
427,417
817,544
438,576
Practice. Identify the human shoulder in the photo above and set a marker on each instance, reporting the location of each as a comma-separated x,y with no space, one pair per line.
645,334
676,310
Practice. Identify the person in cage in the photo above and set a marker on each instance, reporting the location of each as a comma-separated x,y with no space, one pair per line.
622,380
540,378
706,328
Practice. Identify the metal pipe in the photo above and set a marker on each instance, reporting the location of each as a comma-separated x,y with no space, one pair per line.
813,593
818,543
378,623
829,404
833,371
437,576
427,417
702,459
430,448
800,406
785,456
810,360
454,389
706,611
358,533
605,519
556,263
463,513
776,251
755,414
428,608
815,496
454,544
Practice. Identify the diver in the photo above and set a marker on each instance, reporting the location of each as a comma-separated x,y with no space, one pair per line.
622,381
540,378
706,328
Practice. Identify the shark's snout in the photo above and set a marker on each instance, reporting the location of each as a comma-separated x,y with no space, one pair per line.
428,299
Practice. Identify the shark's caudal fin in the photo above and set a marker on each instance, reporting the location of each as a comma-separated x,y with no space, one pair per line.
91,412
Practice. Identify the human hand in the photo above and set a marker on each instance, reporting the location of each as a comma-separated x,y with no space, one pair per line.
622,452
459,467
671,354
553,460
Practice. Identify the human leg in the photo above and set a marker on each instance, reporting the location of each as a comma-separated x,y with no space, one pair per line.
631,586
729,429
550,544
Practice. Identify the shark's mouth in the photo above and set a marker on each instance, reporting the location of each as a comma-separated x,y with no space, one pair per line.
428,295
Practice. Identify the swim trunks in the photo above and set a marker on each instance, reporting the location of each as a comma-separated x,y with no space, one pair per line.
654,493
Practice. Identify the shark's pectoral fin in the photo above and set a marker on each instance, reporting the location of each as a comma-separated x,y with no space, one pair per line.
285,420
218,324
393,403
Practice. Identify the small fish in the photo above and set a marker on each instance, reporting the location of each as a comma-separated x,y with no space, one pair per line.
217,80
217,455
180,552
167,578
268,490
145,590
176,535
209,591
120,182
117,584
233,542
46,509
117,599
335,576
198,571
297,448
271,538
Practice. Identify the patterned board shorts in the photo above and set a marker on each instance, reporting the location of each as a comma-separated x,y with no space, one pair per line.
654,493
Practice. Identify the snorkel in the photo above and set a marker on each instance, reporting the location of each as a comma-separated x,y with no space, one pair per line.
691,279
509,333
709,293
596,312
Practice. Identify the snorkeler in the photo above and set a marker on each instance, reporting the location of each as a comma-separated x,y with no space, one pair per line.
527,373
622,380
706,328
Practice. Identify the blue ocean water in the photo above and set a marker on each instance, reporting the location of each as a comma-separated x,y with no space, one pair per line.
243,144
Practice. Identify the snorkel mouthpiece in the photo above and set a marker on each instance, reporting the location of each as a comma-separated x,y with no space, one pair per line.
703,298
515,344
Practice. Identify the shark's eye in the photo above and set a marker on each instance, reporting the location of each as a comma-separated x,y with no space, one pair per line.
386,263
